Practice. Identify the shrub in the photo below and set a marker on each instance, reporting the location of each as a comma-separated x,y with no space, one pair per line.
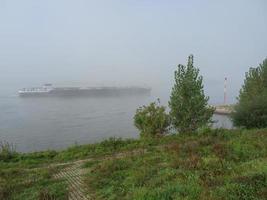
188,103
7,151
251,114
251,109
152,120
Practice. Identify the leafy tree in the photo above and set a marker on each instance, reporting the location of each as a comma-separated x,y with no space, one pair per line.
152,120
251,109
188,104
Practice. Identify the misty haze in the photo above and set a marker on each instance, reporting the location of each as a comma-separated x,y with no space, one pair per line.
115,44
75,72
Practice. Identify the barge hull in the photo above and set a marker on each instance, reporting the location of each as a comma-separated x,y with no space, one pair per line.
93,92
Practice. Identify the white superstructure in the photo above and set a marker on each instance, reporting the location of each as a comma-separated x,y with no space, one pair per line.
37,90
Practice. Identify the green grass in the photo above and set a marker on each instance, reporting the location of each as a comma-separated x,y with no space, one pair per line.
25,176
76,152
215,165
21,183
211,164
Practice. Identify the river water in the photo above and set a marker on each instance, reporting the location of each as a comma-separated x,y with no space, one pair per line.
33,124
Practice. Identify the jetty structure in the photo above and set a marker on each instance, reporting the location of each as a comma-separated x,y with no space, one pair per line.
47,90
223,109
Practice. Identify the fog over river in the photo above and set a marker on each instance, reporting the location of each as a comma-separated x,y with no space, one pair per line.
56,123
116,43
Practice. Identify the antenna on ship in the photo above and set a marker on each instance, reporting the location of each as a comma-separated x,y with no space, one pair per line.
225,90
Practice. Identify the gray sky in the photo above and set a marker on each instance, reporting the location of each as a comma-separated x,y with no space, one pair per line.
130,42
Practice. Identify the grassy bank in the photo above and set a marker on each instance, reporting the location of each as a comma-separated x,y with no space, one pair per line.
213,164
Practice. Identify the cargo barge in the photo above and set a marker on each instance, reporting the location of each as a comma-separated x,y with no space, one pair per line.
47,90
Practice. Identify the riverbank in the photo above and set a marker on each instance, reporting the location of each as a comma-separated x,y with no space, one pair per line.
212,164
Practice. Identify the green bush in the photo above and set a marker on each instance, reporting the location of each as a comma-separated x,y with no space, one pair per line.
251,109
152,120
7,151
252,114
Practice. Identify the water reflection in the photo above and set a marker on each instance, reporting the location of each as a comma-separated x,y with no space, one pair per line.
222,121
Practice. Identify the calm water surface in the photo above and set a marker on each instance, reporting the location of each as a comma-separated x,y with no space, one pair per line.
55,123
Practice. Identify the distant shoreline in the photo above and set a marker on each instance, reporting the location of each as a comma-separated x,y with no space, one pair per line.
223,109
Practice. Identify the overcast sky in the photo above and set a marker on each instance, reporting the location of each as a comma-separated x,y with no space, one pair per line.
130,42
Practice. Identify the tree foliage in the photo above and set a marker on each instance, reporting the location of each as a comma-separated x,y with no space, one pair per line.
251,109
152,120
188,103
